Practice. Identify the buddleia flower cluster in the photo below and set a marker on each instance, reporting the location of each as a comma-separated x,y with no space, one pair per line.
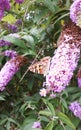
75,107
63,64
9,70
75,12
75,15
65,59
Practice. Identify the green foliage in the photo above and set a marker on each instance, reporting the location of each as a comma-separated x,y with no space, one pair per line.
9,18
21,104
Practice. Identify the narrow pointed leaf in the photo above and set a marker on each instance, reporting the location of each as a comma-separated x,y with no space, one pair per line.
65,120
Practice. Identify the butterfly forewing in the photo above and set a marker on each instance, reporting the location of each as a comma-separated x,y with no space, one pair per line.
41,67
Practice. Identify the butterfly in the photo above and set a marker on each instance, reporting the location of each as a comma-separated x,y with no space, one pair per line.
41,67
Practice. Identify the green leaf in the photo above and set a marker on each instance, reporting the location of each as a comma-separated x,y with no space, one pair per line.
2,99
28,121
29,39
30,83
36,32
29,52
49,126
75,121
9,18
72,90
15,41
59,128
68,3
45,113
50,106
3,121
76,95
68,128
3,33
64,103
13,121
23,106
8,125
61,17
65,120
43,118
51,5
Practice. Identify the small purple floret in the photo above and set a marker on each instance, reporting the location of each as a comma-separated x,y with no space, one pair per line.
12,28
10,53
4,43
76,109
19,22
36,125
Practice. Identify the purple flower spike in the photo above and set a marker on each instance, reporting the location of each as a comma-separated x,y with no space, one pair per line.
62,66
65,59
76,109
9,70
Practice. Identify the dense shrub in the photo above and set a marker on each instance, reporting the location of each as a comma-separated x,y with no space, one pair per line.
29,31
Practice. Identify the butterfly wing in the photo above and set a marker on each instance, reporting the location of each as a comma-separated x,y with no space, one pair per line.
41,67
